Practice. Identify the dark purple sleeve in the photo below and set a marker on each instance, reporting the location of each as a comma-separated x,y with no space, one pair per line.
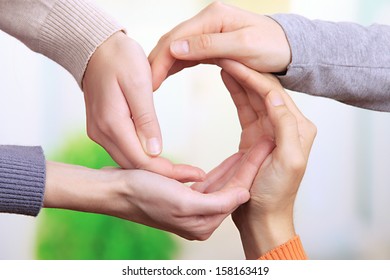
22,179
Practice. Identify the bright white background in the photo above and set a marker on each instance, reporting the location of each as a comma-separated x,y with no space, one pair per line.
342,208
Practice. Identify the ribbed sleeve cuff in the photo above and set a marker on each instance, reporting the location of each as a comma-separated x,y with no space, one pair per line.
22,179
291,250
73,30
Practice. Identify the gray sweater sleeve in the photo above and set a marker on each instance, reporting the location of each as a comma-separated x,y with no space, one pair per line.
343,61
22,179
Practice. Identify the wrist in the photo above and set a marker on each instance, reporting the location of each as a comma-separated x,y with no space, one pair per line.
283,47
79,188
86,27
262,233
103,55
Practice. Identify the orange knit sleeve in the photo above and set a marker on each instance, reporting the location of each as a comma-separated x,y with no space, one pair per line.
291,250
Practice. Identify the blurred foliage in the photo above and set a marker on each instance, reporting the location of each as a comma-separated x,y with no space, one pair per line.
65,235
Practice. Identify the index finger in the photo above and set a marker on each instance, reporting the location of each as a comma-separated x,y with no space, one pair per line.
209,20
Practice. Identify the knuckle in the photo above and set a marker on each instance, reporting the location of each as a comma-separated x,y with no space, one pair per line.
204,42
105,123
137,83
287,118
203,236
216,5
201,227
296,164
165,38
92,134
204,232
144,120
180,208
313,129
94,131
246,38
189,237
310,129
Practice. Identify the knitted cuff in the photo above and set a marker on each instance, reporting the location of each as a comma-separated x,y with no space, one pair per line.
22,179
291,250
72,32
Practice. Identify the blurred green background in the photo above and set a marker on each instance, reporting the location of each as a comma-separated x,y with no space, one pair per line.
70,235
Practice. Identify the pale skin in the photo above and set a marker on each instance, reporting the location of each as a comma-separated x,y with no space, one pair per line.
273,130
221,31
151,199
155,200
121,117
146,197
110,115
120,112
266,221
140,196
118,96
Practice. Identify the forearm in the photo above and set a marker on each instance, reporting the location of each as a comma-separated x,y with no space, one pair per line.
343,61
22,179
66,31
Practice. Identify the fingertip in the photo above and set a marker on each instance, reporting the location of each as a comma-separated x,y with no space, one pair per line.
153,146
237,197
186,173
179,48
243,196
200,176
275,98
158,70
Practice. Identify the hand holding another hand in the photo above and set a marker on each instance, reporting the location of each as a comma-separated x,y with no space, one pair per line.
120,111
151,199
221,31
266,221
275,141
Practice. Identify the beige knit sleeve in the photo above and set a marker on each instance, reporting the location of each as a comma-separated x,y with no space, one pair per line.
66,31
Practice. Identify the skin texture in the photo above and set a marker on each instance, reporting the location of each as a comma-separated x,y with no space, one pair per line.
273,152
192,212
151,199
120,110
221,31
266,221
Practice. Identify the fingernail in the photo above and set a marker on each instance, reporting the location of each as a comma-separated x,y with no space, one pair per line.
276,99
180,47
153,146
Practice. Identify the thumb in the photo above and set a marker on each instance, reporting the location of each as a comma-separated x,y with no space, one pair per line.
221,202
205,46
148,130
285,125
137,90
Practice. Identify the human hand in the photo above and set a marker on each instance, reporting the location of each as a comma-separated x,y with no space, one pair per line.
120,112
266,221
169,205
256,128
151,199
221,31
